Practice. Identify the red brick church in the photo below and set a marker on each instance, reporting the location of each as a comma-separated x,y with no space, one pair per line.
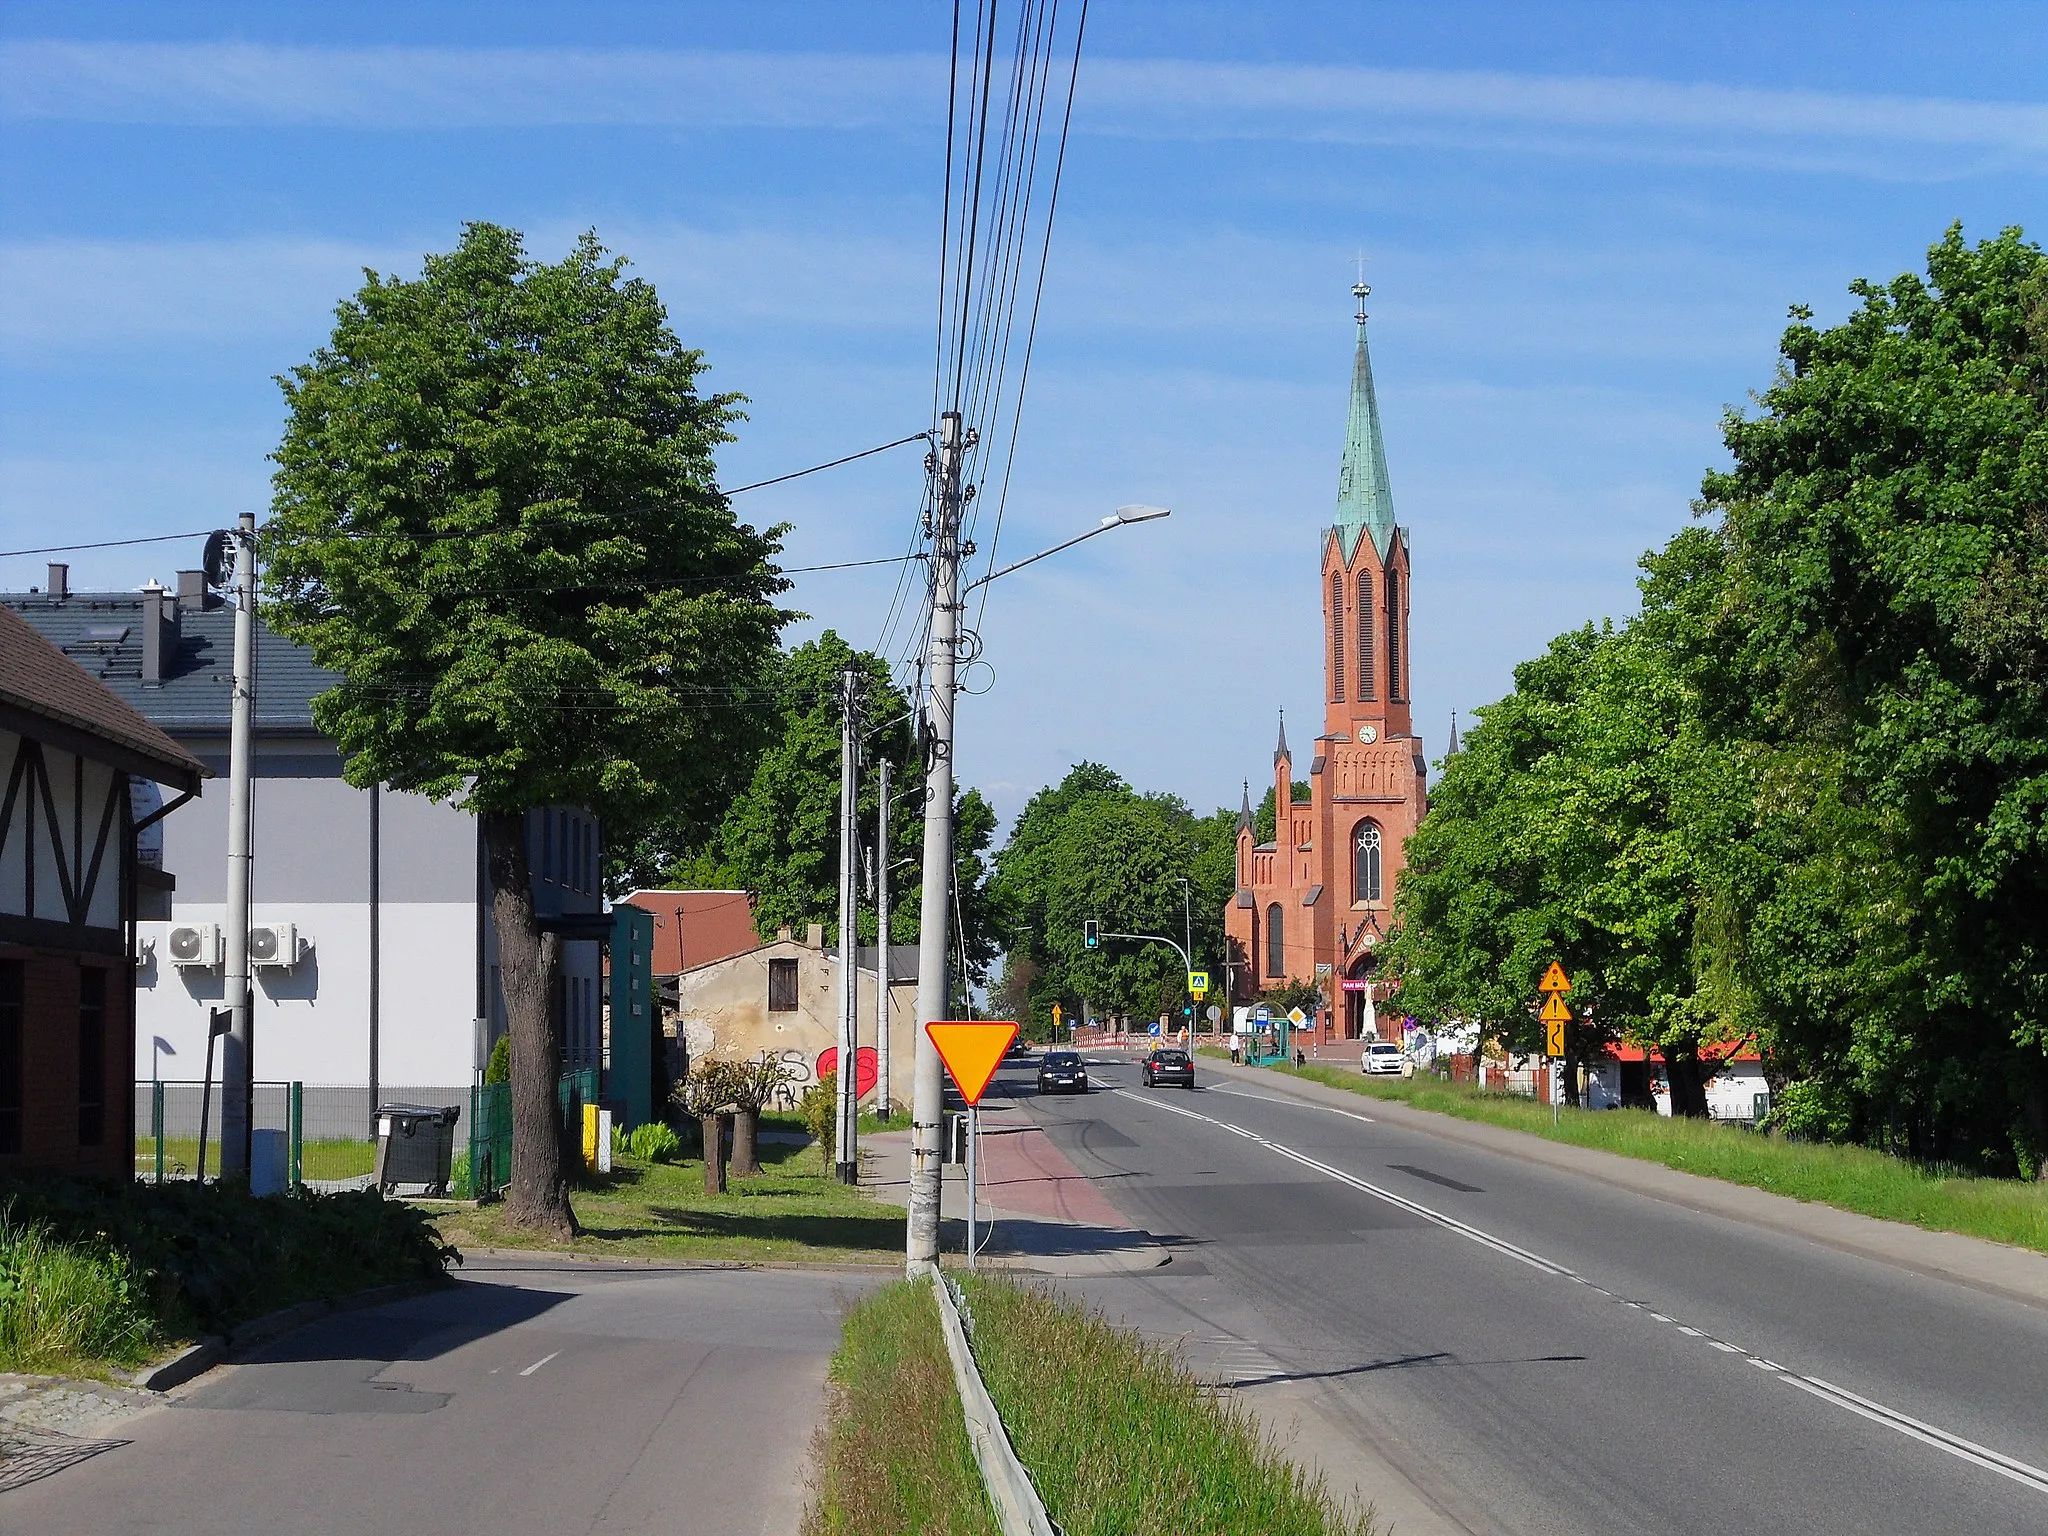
1313,904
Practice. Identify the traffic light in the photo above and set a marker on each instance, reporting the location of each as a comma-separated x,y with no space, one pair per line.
1091,934
1187,1013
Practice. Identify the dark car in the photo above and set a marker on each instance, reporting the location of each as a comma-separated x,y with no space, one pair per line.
1062,1072
1164,1066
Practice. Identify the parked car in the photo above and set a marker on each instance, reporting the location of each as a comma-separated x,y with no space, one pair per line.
1383,1058
1062,1072
1169,1066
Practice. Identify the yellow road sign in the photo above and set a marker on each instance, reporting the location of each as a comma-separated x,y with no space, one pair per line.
1554,980
1055,1015
971,1049
1553,1039
1554,1010
1198,982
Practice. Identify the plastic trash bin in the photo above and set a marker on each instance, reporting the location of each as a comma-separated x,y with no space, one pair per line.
415,1145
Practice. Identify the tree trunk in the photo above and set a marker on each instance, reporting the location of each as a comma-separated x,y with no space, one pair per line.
1688,1084
2035,1104
538,1198
712,1130
746,1135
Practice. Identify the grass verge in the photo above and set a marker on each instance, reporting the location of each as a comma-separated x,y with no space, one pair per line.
892,1457
338,1158
1849,1178
96,1274
1122,1441
793,1211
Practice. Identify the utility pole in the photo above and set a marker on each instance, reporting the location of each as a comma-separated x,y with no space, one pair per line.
921,1243
238,1051
847,1101
882,1104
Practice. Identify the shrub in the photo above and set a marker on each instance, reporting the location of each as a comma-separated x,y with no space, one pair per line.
654,1142
205,1257
499,1068
820,1114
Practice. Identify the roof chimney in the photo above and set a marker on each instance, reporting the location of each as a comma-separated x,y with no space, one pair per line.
192,594
60,580
814,935
159,634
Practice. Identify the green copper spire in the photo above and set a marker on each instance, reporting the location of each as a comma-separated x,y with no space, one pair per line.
1365,501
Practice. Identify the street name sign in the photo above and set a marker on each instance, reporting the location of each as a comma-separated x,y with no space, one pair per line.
972,1049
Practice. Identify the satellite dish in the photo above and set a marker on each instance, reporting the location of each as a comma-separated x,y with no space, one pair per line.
214,561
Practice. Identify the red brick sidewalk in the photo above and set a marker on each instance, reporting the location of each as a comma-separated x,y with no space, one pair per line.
1019,1170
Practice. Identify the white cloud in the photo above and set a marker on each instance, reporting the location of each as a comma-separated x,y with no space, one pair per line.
252,84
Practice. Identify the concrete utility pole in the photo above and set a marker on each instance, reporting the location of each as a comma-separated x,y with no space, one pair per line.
921,1243
238,1051
882,1105
847,1100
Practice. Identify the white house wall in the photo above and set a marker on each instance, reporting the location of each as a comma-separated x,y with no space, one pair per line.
78,825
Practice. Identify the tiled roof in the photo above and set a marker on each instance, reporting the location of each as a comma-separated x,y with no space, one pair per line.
36,678
102,632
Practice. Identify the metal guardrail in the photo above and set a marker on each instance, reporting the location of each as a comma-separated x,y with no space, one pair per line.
1019,1510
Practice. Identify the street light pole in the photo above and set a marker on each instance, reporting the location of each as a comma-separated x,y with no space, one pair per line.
238,1051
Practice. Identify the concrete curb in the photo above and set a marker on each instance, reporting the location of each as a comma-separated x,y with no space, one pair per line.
1019,1510
1998,1269
197,1359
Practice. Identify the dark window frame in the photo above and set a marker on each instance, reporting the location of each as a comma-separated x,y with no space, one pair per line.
782,985
13,1031
1367,862
92,1056
1368,685
1276,940
1337,636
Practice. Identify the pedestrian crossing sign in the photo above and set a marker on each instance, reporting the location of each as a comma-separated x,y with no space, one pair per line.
1198,983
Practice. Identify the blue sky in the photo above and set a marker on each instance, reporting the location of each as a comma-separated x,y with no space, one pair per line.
1583,224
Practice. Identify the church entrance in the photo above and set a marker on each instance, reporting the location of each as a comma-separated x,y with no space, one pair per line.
1354,995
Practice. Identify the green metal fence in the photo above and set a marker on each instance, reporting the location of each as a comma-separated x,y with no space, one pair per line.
490,1126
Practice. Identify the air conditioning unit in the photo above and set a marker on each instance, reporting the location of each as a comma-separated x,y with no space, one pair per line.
195,946
274,944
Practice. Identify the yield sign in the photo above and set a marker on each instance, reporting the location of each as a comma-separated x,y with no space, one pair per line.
971,1049
1554,980
1554,1010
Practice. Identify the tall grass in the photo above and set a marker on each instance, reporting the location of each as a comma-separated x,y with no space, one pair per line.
1122,1441
1849,1178
893,1458
65,1307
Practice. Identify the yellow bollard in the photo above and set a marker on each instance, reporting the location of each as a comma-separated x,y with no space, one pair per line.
590,1136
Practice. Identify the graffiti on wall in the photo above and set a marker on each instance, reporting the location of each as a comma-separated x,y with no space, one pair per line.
799,1072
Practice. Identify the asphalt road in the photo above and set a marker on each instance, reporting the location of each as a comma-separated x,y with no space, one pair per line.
1526,1350
549,1398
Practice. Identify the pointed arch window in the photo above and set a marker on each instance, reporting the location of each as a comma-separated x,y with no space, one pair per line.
1368,685
1276,941
1337,636
1394,688
1366,846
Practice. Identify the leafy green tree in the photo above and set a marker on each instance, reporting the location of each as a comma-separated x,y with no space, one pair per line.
496,517
1092,847
1265,819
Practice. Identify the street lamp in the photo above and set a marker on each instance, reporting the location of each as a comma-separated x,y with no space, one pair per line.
1122,516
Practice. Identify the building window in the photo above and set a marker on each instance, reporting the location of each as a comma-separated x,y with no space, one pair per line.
1337,636
1365,863
12,979
92,1056
1368,685
1394,689
782,986
1276,941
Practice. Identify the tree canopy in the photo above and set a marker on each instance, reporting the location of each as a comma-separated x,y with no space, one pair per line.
496,517
1801,799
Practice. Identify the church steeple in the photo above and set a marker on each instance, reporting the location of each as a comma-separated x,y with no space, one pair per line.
1280,753
1365,499
1244,816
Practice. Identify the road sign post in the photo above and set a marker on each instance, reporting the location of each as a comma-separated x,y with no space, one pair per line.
971,1050
1555,1017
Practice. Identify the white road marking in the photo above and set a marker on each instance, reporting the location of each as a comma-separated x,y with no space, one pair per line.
1841,1397
543,1360
1267,1098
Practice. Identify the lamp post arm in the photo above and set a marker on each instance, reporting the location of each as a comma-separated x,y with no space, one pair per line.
1155,938
1123,518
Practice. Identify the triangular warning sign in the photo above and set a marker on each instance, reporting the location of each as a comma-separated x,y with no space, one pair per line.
972,1049
1554,1010
1554,980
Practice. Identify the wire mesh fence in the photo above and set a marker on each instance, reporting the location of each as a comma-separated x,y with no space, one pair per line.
329,1128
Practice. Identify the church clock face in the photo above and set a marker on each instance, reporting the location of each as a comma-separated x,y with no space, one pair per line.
1366,733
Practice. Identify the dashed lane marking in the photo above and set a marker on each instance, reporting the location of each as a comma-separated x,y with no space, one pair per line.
1841,1397
543,1360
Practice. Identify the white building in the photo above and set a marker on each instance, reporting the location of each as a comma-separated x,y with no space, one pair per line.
372,905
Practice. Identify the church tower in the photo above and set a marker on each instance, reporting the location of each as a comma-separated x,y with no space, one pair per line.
1313,904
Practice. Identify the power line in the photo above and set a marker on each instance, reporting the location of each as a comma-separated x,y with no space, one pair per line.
798,474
